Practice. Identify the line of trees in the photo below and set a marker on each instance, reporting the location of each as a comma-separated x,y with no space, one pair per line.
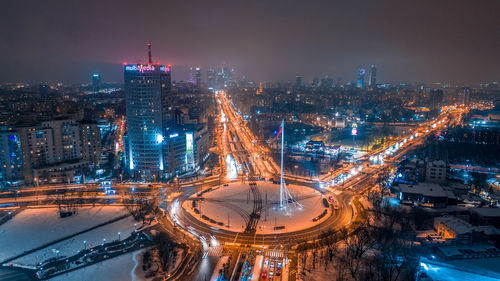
380,249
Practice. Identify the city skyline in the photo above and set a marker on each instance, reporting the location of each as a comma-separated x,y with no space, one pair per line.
424,41
250,140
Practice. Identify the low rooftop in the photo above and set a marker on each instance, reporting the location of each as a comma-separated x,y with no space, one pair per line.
425,189
458,225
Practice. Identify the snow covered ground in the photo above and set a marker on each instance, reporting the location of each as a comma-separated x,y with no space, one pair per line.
320,272
238,195
121,268
34,227
466,270
73,245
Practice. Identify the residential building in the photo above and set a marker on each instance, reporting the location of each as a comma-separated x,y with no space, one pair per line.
436,171
426,194
450,227
11,158
39,152
91,142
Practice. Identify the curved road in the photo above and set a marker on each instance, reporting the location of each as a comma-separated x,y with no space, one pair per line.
339,218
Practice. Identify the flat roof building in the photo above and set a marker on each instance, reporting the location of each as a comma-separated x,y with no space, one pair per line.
149,115
426,194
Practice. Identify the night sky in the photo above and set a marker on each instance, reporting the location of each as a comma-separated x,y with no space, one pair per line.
426,40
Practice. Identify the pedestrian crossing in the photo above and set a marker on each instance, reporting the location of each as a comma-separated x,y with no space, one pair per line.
274,254
214,251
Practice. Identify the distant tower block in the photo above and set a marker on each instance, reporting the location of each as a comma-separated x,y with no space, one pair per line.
373,76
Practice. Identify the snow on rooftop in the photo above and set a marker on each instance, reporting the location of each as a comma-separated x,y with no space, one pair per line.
426,189
458,225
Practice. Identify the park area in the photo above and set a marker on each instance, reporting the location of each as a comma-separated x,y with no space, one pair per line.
34,236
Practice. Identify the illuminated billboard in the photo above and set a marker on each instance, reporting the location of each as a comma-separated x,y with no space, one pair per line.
143,68
189,151
354,130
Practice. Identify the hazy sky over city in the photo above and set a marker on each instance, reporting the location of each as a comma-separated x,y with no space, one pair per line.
426,40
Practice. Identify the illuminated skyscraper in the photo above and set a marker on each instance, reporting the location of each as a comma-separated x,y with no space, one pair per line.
360,83
373,76
149,105
211,78
221,80
298,81
465,96
230,78
44,92
192,76
96,82
435,99
198,77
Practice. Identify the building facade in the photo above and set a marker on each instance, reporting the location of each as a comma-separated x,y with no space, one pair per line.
91,142
187,148
360,82
149,114
450,227
436,171
49,152
373,76
211,78
11,158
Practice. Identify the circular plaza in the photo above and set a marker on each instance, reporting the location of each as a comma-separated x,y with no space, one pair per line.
255,207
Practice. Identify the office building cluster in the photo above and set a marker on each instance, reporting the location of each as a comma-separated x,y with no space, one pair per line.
362,81
157,144
219,79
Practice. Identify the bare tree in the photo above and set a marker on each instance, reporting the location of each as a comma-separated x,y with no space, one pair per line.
356,246
394,259
142,207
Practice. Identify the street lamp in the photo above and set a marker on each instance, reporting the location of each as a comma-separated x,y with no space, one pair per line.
119,236
85,244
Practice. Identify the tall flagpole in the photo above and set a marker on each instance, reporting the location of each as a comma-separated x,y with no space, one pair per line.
282,145
284,193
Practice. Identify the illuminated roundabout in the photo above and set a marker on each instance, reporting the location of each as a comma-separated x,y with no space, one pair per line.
249,213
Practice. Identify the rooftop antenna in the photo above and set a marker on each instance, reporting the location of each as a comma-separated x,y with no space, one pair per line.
150,62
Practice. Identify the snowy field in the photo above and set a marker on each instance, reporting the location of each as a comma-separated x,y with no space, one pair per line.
121,268
73,245
224,201
34,227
